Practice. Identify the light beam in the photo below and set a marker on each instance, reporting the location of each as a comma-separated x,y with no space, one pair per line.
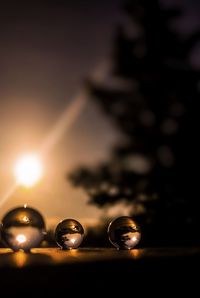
64,123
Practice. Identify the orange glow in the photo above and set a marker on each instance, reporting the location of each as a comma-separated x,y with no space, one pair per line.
28,170
20,258
137,253
25,219
22,217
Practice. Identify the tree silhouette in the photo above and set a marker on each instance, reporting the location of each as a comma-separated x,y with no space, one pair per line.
151,100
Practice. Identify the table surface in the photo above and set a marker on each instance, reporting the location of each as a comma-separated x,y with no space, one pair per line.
102,270
56,256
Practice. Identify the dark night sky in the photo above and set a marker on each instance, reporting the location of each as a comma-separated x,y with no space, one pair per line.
46,49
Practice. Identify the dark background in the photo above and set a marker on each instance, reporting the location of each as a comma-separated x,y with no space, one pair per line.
152,99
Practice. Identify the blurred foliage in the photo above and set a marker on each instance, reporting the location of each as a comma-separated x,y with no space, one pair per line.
151,97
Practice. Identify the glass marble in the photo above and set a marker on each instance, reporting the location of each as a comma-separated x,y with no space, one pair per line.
124,233
22,228
69,234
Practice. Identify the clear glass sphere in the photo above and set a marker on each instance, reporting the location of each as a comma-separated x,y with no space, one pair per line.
124,233
22,228
69,234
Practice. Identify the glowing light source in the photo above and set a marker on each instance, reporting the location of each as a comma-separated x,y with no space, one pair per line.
134,238
21,238
64,123
28,170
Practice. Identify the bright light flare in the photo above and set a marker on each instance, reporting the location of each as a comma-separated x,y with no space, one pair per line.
21,238
28,170
134,238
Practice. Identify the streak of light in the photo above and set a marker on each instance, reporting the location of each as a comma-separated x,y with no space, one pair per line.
71,113
64,123
8,194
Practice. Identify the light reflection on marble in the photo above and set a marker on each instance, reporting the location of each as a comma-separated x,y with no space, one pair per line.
72,240
23,237
22,228
124,233
69,234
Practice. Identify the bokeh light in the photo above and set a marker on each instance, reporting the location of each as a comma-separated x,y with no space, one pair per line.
28,170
